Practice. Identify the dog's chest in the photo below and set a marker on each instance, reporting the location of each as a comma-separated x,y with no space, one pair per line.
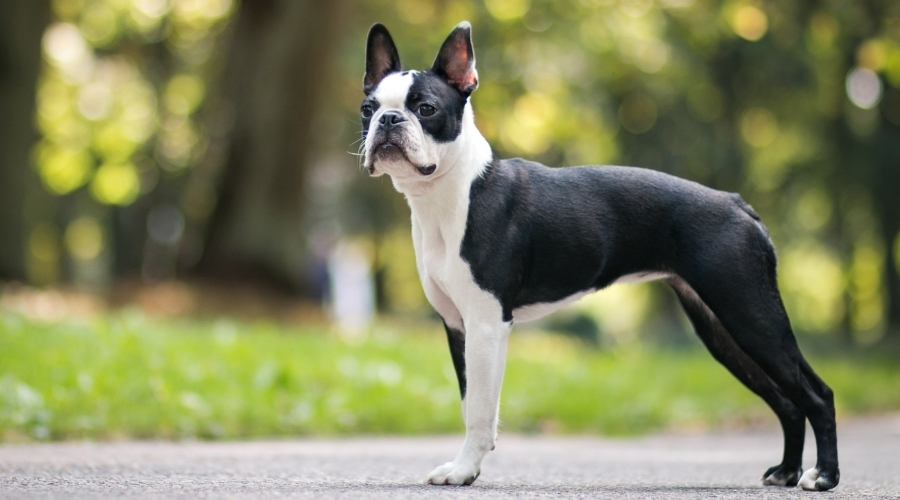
437,245
438,228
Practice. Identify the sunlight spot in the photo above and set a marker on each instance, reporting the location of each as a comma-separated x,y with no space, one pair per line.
528,128
63,170
534,110
813,282
676,4
416,11
63,44
823,29
215,9
651,56
152,8
183,94
389,373
116,184
53,100
635,8
84,238
67,49
95,100
749,23
98,24
112,144
864,88
507,10
619,310
759,127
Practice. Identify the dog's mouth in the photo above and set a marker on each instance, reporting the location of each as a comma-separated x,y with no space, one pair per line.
391,151
388,149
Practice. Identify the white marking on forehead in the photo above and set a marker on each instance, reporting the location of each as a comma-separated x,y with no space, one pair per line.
392,91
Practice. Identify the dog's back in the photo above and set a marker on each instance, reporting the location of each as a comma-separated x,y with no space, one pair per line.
561,231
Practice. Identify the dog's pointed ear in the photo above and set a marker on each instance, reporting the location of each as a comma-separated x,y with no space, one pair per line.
455,61
382,58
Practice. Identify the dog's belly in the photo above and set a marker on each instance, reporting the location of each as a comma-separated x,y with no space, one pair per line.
538,310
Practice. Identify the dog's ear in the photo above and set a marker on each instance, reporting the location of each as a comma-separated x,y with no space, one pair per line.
382,58
455,61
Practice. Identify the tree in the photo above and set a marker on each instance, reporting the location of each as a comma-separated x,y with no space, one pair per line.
279,69
22,23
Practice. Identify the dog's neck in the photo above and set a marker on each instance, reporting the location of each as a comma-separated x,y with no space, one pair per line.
446,192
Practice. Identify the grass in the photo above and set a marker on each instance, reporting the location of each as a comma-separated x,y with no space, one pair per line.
124,375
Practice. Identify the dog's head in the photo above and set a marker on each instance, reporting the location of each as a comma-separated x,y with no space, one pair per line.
414,121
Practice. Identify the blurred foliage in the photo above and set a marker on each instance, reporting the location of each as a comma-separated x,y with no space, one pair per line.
117,107
794,104
126,375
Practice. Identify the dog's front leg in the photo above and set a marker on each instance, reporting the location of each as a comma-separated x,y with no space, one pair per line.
485,350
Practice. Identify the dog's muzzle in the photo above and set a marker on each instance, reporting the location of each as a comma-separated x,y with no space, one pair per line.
392,151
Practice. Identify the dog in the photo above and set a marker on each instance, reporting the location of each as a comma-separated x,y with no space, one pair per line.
505,241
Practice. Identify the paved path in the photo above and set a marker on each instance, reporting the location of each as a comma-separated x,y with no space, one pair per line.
722,466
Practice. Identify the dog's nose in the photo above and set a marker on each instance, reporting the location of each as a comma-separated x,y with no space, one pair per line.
390,119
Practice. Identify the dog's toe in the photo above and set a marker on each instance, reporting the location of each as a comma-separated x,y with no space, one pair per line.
817,480
781,476
452,474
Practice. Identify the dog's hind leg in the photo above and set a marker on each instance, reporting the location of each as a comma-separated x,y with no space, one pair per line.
737,283
726,351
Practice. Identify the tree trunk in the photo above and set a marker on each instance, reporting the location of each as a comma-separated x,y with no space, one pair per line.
22,24
883,184
279,70
891,230
892,276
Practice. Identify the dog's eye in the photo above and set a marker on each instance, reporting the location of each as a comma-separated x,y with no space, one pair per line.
366,111
426,110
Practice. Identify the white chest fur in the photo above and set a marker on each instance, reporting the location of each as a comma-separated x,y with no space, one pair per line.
440,207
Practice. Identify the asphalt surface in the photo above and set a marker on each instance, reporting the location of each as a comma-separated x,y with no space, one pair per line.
722,466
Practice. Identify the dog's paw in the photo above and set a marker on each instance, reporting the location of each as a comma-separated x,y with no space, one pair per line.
781,476
816,480
453,473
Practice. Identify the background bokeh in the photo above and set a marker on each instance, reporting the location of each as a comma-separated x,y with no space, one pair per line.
204,150
209,138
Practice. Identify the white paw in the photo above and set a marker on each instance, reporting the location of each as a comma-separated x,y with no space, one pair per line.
777,477
808,480
453,473
772,480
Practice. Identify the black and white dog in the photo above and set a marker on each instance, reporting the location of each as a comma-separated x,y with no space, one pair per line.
504,241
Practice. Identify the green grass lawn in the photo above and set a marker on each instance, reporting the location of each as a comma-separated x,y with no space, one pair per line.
123,375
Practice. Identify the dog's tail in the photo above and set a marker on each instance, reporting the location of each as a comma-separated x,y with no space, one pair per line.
747,209
743,205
